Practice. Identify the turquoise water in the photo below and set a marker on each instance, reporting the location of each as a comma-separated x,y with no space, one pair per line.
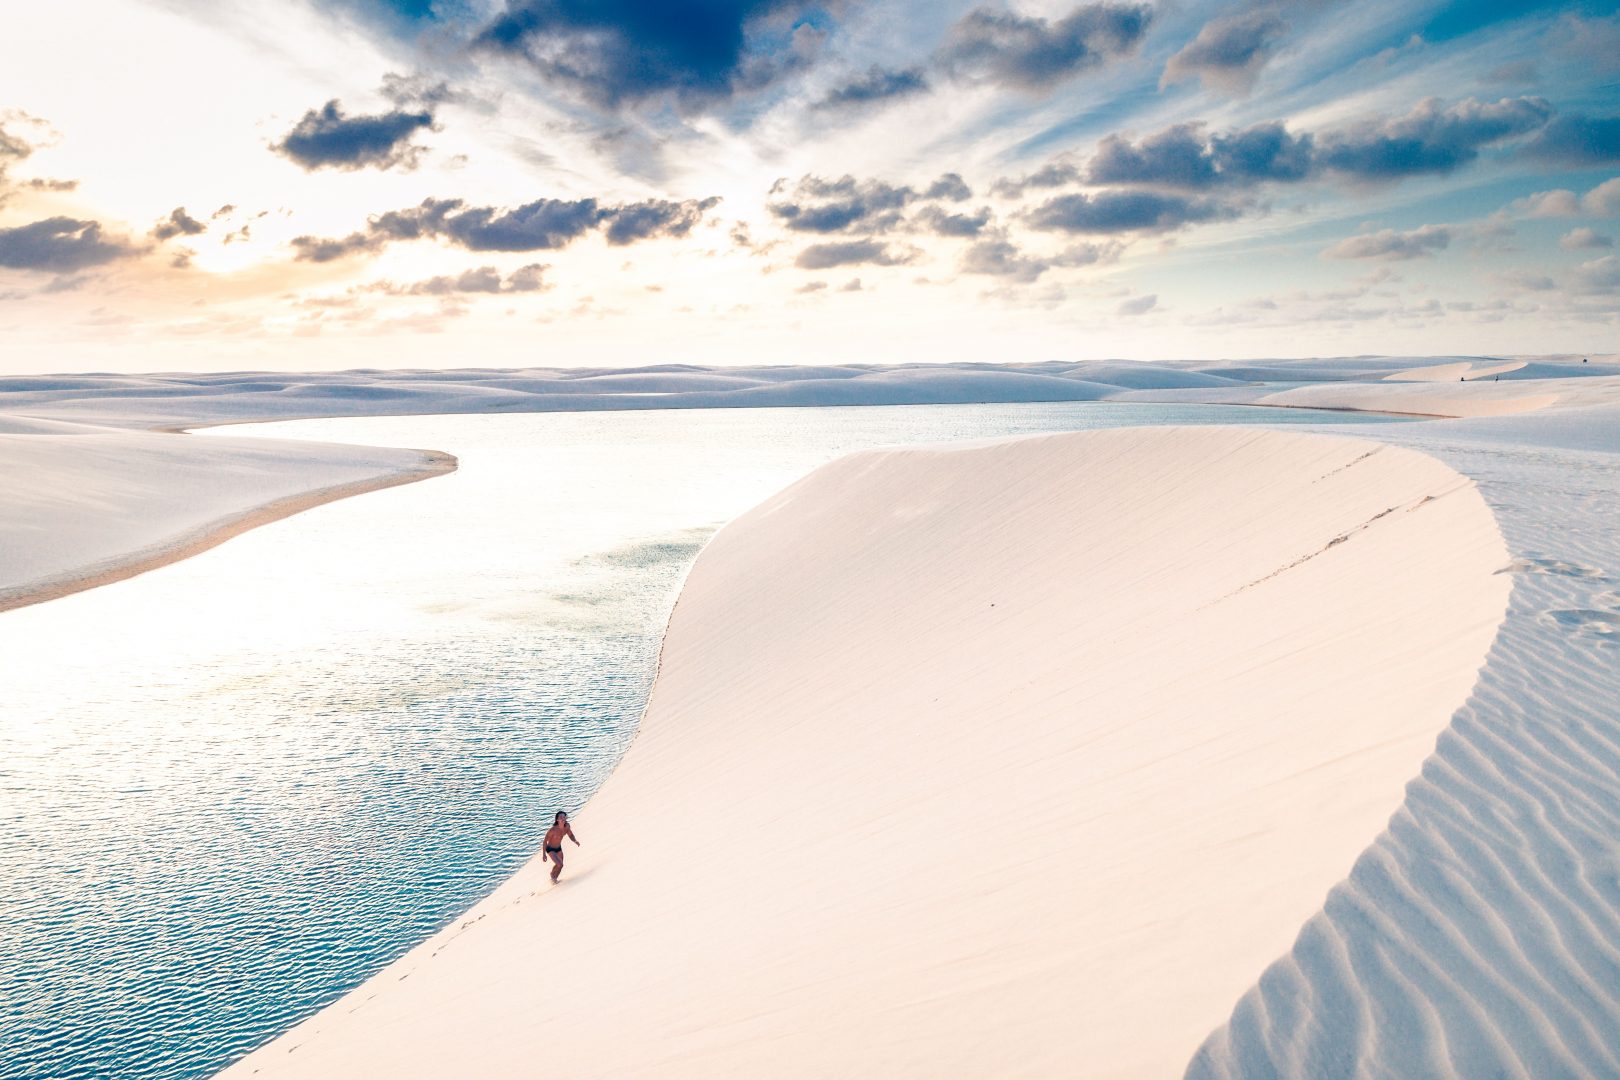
234,787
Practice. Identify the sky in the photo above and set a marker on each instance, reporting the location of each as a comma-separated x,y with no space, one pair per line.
218,185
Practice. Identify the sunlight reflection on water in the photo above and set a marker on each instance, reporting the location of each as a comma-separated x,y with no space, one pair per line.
232,788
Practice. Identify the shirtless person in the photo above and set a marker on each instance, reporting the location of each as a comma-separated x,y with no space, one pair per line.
554,838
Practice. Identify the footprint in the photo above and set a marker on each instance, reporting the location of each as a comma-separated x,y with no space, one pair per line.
1591,622
1550,566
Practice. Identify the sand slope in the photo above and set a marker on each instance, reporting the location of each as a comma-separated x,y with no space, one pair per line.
1479,936
1016,760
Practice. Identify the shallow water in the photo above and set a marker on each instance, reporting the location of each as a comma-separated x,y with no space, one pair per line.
234,787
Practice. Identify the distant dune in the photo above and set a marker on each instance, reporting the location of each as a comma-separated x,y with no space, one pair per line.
81,507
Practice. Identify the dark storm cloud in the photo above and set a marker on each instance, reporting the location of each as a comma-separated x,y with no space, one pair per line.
1124,211
1578,141
60,245
1182,157
877,86
851,253
326,138
1429,139
542,225
618,52
1031,53
1228,52
178,223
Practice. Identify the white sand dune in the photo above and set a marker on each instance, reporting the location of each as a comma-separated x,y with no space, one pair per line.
188,400
89,506
1479,935
1146,873
1015,760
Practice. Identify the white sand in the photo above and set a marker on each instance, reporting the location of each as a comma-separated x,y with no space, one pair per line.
92,506
1021,759
1171,786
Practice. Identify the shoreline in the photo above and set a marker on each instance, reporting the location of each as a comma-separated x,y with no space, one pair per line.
433,463
437,463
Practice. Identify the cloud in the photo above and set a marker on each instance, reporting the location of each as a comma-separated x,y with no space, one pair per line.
852,285
615,53
656,217
15,149
1577,141
852,253
1228,52
949,187
877,86
1429,139
178,223
1599,275
1583,239
943,224
60,245
542,225
326,138
846,204
1052,175
997,256
1524,279
1392,244
828,206
484,279
811,287
1030,53
12,150
1181,157
1138,305
1124,211
418,91
1603,200
1548,204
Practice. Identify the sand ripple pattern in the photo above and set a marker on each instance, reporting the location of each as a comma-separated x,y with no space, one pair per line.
1480,935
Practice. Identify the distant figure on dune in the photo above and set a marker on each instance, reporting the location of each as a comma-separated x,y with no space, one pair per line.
554,838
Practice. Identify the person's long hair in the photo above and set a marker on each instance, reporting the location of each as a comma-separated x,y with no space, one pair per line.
558,817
